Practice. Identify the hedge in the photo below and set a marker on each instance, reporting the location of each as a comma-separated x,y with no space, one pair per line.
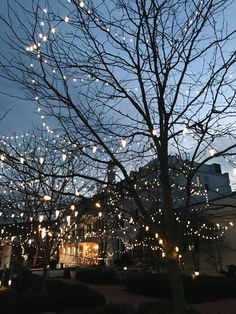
200,289
60,297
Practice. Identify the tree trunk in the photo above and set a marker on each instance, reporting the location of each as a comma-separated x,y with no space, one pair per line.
176,286
44,287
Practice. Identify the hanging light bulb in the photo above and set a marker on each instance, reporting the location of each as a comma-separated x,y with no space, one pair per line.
72,207
100,214
66,19
98,205
68,219
81,4
154,132
123,143
47,198
53,30
76,213
57,213
212,152
146,228
64,157
43,233
2,157
185,131
22,160
41,218
94,149
41,160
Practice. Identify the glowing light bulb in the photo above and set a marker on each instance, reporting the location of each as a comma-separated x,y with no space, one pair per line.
66,19
72,207
68,219
146,228
43,233
98,205
63,157
100,214
22,160
154,132
212,152
123,143
53,30
81,4
94,149
41,218
47,198
185,131
41,160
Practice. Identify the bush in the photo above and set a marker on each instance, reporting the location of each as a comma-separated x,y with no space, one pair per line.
99,276
160,307
201,289
60,297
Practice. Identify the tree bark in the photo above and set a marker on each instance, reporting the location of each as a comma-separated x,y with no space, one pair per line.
44,286
176,286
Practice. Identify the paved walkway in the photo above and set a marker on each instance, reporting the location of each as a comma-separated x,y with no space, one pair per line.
118,294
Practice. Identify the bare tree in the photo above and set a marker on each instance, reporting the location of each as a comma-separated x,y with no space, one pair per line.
41,194
130,81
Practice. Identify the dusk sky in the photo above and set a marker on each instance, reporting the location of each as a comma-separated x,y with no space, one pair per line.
21,114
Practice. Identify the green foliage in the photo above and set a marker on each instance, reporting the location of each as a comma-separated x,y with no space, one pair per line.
99,276
201,289
61,296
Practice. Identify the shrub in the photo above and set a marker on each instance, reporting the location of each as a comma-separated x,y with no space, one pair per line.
201,289
60,297
100,276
